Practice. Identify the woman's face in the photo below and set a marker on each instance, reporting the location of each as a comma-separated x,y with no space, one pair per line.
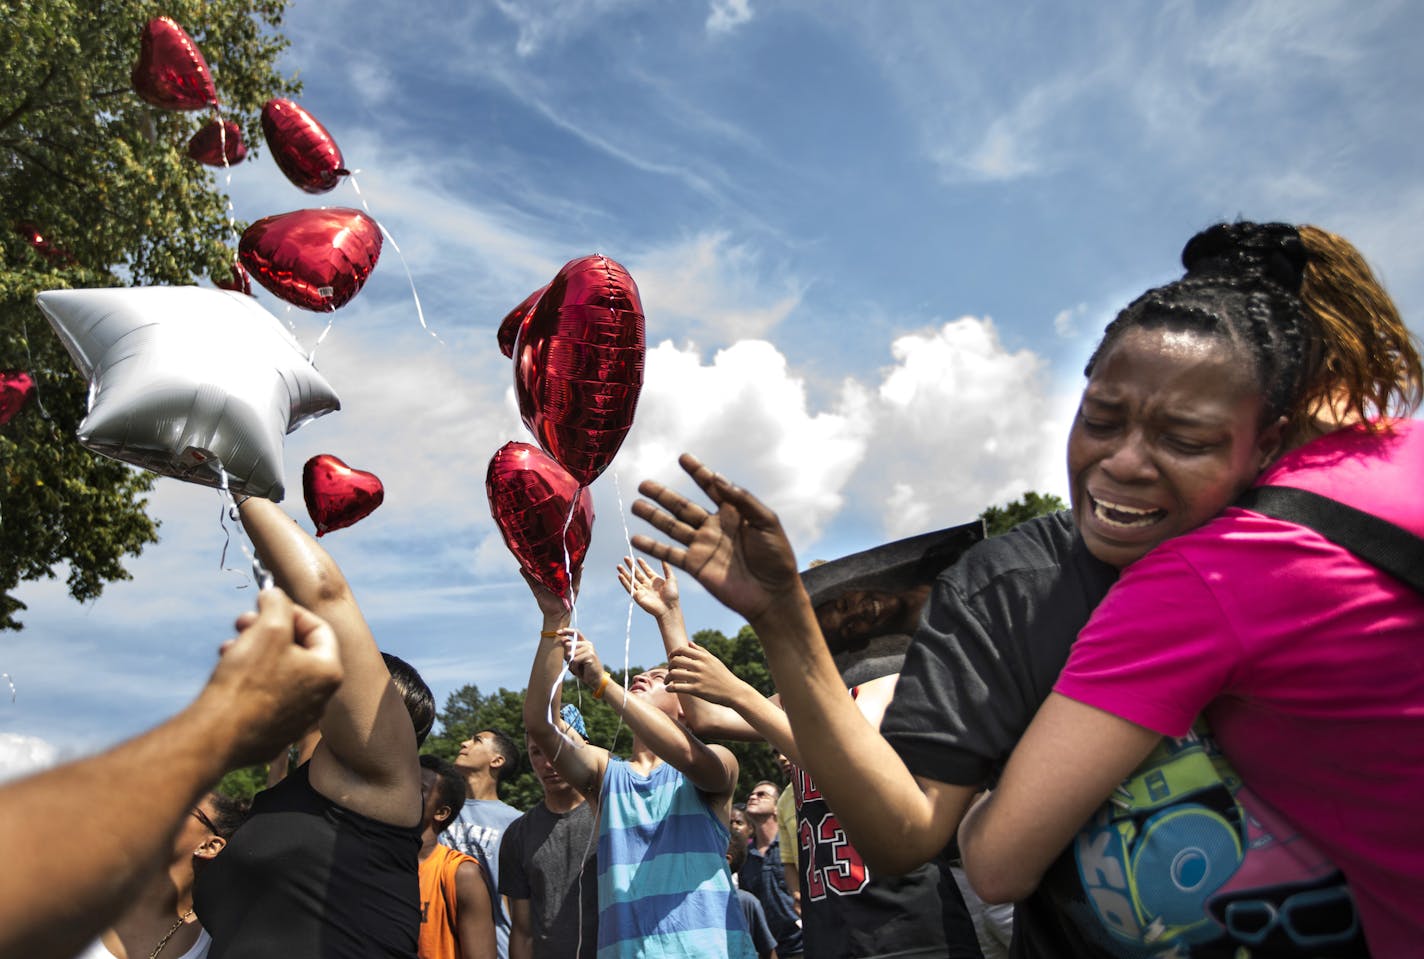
1166,436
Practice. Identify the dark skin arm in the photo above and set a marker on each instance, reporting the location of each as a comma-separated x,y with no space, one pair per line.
741,555
270,683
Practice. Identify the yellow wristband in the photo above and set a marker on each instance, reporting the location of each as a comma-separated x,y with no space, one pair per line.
549,634
603,685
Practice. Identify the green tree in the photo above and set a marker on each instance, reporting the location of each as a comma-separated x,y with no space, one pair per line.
244,782
1000,519
468,711
106,180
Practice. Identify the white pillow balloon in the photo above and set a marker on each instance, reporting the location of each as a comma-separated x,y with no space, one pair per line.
189,382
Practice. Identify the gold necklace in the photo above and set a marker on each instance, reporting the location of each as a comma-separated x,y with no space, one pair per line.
169,935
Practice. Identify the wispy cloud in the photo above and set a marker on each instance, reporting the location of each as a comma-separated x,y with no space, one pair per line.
724,16
713,290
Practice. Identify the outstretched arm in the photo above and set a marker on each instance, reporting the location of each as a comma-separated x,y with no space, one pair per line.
1068,763
581,765
696,675
712,769
368,754
270,683
658,597
741,555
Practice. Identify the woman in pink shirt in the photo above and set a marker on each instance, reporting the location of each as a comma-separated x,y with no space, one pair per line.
1306,661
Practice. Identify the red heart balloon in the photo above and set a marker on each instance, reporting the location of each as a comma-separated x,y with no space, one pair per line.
171,72
338,495
514,319
46,249
578,364
315,259
302,147
216,140
530,497
16,386
238,282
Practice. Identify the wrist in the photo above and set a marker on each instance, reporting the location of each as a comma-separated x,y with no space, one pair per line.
601,686
789,615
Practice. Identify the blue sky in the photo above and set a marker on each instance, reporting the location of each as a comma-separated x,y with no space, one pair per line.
875,243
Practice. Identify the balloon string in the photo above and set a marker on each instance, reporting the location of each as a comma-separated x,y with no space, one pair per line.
410,278
330,319
628,542
11,684
29,358
573,624
227,196
229,510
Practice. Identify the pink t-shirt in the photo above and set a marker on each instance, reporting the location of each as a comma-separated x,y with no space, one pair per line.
1308,663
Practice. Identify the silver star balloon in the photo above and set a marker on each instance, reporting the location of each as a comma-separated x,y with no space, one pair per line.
189,382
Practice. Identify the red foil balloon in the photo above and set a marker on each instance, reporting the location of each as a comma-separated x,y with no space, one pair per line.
16,387
514,319
578,364
44,247
315,259
529,496
239,281
302,147
338,495
215,140
171,72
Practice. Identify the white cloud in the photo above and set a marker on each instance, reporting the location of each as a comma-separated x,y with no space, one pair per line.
724,16
746,414
957,424
1066,322
711,289
22,755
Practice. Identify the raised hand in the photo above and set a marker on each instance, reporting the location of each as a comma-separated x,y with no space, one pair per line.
554,608
276,676
581,656
694,670
656,594
740,553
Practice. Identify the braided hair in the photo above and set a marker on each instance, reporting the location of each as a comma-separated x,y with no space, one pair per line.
1325,339
1242,284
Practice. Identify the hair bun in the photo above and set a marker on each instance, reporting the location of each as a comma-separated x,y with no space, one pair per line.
1270,250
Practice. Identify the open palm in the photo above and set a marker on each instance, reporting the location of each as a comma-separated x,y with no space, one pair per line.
740,553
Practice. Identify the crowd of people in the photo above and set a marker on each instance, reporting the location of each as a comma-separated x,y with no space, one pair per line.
1183,718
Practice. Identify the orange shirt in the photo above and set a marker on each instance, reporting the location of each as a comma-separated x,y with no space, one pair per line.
438,932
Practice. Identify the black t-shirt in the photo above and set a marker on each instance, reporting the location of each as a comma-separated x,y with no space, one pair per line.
306,877
1185,862
996,633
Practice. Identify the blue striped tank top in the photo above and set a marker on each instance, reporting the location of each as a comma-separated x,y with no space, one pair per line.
664,890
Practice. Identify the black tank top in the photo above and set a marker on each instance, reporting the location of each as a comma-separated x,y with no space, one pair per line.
304,878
